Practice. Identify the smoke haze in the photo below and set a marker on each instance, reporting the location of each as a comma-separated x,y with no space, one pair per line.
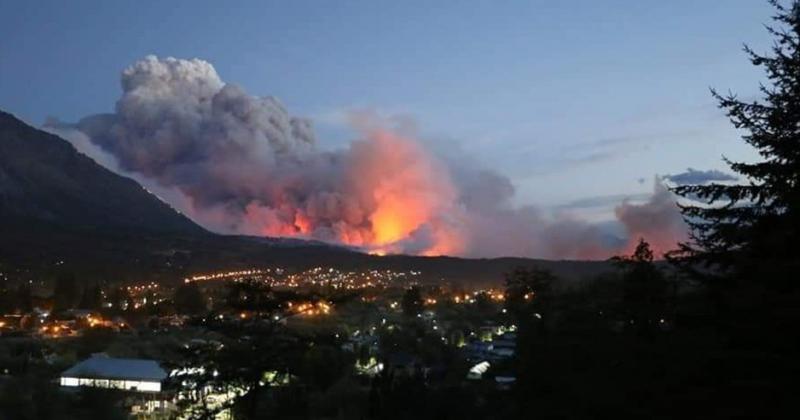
238,163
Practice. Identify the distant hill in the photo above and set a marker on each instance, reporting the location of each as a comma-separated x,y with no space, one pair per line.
61,211
44,180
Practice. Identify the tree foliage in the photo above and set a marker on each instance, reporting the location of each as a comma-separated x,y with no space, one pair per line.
120,298
92,298
747,231
189,299
65,292
257,356
412,301
645,289
528,291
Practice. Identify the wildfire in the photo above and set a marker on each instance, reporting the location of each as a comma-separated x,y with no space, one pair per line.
311,309
260,172
408,190
395,198
394,219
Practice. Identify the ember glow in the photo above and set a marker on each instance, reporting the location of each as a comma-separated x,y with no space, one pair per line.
391,192
403,190
238,163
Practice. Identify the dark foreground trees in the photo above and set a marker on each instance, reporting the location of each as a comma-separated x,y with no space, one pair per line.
253,354
744,241
262,367
747,233
731,350
743,249
646,289
65,292
591,362
411,302
189,299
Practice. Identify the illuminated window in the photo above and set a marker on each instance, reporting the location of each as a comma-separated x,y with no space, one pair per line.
69,381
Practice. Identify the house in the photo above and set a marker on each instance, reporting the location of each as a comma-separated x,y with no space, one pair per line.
502,353
477,371
503,348
101,371
478,350
505,382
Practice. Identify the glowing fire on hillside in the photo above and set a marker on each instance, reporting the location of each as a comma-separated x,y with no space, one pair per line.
398,196
238,163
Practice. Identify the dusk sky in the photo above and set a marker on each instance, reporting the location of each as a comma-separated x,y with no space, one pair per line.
573,101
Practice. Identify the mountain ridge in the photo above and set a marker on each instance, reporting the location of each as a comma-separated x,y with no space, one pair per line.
43,178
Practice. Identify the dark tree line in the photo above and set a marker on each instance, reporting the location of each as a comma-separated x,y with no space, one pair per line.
733,350
269,366
412,302
16,299
189,299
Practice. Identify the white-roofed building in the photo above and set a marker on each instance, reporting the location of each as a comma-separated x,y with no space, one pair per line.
100,371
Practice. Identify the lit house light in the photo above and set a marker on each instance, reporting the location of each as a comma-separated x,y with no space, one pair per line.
477,371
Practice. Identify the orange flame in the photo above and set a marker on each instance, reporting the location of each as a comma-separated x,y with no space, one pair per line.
410,191
401,195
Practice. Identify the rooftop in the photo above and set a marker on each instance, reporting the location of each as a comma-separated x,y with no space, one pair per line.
111,368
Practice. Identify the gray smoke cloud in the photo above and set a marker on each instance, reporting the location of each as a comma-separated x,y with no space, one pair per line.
238,163
658,220
178,123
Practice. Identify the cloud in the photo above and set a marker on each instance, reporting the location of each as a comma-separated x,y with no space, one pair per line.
603,200
698,177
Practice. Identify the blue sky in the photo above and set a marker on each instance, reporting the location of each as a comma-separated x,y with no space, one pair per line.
569,99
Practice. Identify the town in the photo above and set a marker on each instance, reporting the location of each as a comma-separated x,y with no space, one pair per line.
134,338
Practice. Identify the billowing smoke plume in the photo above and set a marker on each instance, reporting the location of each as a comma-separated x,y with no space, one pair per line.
238,163
658,221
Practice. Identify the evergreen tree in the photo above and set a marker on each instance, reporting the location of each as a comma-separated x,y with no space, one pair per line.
120,298
254,354
92,298
747,233
644,300
529,292
16,300
189,299
24,298
412,302
529,302
6,304
65,292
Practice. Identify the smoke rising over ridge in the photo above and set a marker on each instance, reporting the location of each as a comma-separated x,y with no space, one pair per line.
238,163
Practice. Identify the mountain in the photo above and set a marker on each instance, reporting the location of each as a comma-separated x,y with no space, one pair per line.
45,181
62,212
